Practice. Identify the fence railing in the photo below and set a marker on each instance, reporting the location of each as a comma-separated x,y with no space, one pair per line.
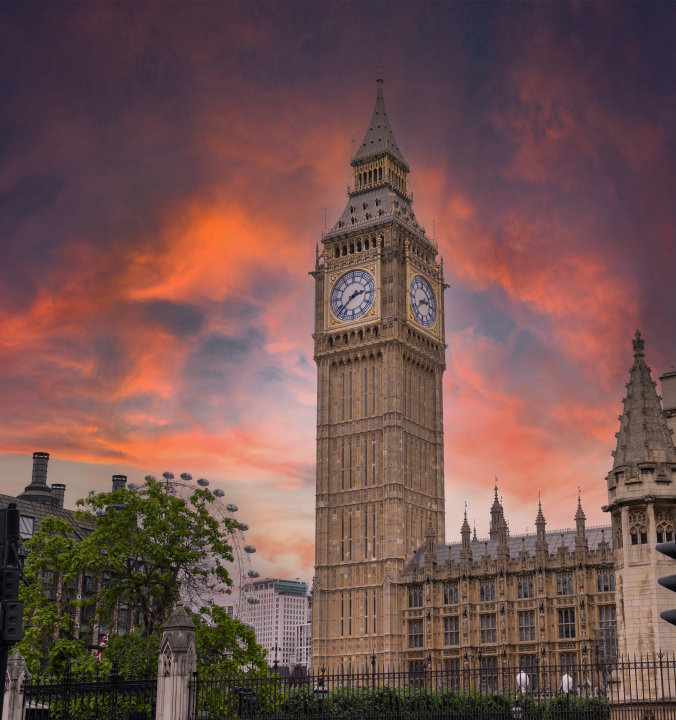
85,695
641,689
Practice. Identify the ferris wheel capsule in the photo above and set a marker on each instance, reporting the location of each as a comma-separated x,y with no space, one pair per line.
186,476
253,574
253,600
148,478
218,492
231,508
203,482
168,475
249,549
242,526
131,486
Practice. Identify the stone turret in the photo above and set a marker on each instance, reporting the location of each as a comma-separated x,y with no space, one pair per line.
497,517
465,533
541,547
642,503
430,543
580,536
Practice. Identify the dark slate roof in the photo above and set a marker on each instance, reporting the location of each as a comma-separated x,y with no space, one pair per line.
387,210
644,435
379,137
479,547
39,511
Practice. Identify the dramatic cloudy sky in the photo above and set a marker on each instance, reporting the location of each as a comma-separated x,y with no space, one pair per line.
164,170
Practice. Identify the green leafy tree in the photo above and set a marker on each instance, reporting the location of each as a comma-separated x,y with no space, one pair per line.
225,644
50,599
149,549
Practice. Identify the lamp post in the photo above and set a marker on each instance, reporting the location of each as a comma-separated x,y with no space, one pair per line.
320,691
275,663
373,669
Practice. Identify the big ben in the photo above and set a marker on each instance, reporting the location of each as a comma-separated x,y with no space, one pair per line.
380,354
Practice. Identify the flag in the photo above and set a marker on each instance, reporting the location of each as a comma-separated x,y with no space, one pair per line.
102,645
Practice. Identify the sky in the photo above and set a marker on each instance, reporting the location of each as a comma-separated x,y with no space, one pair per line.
165,171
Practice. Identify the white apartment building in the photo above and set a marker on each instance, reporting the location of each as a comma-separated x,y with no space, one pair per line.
282,605
303,637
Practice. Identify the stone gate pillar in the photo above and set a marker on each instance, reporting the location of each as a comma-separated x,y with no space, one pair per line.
16,674
177,662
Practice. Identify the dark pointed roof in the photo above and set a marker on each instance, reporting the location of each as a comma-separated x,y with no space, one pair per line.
540,519
379,137
579,515
644,436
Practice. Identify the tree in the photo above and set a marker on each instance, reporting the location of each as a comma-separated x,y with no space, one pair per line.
149,549
225,644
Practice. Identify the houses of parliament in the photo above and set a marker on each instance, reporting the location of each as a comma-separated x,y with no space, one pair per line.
386,581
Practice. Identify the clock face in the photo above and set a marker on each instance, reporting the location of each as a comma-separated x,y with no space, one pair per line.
353,295
423,304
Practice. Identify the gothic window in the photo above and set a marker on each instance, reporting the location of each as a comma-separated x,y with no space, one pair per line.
352,209
349,602
342,613
342,537
337,253
452,670
489,633
380,173
487,591
352,220
377,202
358,245
566,624
364,206
527,625
415,596
569,666
451,631
374,611
366,612
525,587
350,394
342,465
351,248
605,581
349,547
415,633
638,524
489,673
366,244
564,584
607,616
345,246
665,532
373,549
528,664
451,594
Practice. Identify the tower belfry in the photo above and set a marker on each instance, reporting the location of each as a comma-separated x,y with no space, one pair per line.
380,354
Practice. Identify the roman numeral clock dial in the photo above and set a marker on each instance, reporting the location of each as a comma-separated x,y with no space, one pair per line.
353,295
423,303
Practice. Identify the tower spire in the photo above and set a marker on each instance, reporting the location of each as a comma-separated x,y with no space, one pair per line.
644,438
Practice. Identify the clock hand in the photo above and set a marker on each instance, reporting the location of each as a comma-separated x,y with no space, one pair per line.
353,296
424,301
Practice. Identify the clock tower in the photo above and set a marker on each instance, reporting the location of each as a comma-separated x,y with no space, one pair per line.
380,354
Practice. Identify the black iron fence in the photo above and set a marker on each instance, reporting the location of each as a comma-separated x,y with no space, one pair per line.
639,689
87,695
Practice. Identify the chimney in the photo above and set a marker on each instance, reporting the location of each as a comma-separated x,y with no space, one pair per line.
38,491
119,482
40,460
59,492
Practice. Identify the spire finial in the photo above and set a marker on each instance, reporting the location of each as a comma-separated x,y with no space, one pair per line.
638,344
380,69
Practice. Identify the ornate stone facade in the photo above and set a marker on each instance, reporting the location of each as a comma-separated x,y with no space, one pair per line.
642,504
385,581
509,600
380,354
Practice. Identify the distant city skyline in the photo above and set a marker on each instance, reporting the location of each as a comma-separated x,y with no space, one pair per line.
165,176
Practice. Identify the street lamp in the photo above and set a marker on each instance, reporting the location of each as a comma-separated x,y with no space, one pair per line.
320,691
